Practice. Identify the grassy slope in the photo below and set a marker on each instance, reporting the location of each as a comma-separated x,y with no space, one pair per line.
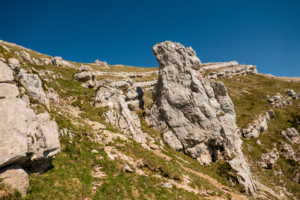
251,105
71,174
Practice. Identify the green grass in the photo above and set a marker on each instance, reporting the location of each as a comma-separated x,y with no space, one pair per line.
249,106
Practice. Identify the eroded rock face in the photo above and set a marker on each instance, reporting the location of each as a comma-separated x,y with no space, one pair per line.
26,138
200,113
34,87
120,113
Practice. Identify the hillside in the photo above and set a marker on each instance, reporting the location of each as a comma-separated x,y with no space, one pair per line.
185,130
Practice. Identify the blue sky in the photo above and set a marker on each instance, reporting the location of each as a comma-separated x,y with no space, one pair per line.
265,33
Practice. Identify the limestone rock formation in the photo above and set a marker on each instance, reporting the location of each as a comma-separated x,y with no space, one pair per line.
34,87
26,139
25,56
86,74
259,126
268,160
101,64
58,61
231,69
14,63
120,114
206,130
16,177
291,135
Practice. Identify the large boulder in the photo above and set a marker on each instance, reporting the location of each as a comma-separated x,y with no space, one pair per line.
26,138
206,133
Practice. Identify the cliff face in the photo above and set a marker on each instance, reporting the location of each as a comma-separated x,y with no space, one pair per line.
200,113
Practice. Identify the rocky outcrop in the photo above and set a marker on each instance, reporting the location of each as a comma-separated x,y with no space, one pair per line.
233,70
101,64
120,113
200,113
87,75
26,139
292,94
58,61
292,135
34,87
25,56
206,66
31,82
259,126
268,160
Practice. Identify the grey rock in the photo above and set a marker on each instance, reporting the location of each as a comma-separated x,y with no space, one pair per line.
85,76
14,64
167,185
26,99
172,141
33,85
58,61
128,169
291,93
25,56
184,105
85,68
119,114
6,74
16,177
52,94
101,64
287,151
268,160
291,135
26,138
45,61
2,60
94,151
8,91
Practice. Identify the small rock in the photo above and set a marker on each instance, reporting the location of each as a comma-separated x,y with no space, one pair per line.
154,146
94,151
128,169
258,142
167,185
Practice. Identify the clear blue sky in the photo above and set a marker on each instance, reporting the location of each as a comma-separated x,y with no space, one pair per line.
265,33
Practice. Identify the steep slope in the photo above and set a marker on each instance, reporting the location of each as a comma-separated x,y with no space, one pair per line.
118,141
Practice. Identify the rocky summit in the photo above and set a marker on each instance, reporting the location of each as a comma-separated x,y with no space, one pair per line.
184,130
